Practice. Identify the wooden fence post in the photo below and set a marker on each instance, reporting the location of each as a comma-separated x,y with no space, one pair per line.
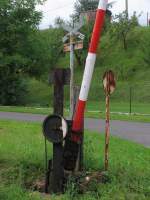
59,78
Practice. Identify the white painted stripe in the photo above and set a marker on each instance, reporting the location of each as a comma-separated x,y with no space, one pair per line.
102,4
87,77
64,127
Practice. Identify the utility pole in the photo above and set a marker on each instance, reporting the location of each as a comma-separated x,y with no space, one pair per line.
73,44
127,8
147,19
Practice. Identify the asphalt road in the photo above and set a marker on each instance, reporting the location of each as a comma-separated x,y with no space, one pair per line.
134,131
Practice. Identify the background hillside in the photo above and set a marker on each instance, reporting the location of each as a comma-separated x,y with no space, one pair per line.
131,66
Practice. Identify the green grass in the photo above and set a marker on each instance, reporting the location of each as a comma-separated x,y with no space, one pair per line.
94,110
120,111
142,108
91,107
21,109
22,163
121,117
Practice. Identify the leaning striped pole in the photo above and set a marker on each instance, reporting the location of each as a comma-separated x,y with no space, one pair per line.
89,67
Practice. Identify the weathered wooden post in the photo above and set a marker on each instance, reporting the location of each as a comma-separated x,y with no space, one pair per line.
59,77
54,182
79,162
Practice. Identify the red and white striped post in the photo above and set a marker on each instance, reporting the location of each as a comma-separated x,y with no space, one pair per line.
89,67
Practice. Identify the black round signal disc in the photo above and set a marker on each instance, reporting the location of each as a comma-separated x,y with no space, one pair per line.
55,128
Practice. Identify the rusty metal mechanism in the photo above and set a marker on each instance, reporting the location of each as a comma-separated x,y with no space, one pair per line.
109,84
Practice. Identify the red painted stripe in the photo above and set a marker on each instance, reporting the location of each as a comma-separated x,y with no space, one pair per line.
76,137
79,116
100,15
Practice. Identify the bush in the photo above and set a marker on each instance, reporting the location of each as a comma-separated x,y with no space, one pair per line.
13,89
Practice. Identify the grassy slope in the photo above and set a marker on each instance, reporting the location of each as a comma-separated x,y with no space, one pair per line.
22,162
129,66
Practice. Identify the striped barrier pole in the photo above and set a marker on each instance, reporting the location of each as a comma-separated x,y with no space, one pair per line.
89,67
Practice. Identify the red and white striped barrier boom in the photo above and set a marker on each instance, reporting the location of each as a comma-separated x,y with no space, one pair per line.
89,67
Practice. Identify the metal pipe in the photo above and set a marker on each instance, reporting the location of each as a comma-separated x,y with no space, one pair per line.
127,8
71,73
147,19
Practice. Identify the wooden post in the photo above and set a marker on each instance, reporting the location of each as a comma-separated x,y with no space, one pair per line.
76,96
79,162
59,78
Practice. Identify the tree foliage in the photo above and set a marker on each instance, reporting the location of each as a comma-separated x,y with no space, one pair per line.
122,26
18,20
82,7
145,47
44,50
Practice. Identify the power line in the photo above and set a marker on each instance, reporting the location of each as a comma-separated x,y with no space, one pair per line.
58,8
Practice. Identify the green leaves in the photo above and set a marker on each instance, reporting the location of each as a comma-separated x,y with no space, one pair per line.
18,20
122,26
